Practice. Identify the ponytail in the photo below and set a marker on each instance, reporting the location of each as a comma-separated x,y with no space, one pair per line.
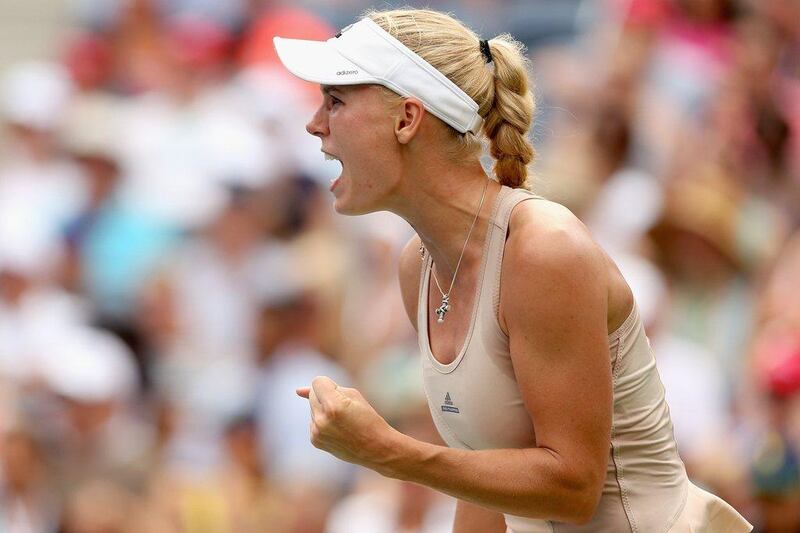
508,121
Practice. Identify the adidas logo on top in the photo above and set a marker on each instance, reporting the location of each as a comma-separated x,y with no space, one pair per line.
448,406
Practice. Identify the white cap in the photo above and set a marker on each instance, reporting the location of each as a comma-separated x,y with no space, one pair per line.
364,53
35,94
26,247
89,365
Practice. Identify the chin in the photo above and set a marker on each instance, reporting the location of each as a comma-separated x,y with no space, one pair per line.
342,207
350,211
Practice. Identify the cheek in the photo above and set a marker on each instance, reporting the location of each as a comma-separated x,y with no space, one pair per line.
362,128
366,142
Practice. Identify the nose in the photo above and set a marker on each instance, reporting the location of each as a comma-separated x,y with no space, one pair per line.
318,125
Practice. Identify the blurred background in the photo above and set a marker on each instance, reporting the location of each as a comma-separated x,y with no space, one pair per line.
171,267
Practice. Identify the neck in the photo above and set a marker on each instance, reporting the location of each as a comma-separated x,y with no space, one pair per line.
441,205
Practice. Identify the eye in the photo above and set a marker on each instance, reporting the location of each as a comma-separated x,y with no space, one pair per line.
334,101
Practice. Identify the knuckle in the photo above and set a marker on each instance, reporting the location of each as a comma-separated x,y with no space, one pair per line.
331,411
350,395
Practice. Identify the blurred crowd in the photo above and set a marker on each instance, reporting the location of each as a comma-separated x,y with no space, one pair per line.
171,267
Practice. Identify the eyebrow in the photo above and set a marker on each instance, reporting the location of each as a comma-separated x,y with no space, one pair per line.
328,89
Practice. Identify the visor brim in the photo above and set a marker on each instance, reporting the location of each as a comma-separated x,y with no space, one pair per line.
319,62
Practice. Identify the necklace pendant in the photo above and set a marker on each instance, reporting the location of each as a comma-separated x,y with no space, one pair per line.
443,309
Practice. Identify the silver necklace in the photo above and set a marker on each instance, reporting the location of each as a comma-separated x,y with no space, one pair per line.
445,307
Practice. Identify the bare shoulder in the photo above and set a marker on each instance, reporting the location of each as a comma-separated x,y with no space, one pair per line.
409,272
544,234
549,257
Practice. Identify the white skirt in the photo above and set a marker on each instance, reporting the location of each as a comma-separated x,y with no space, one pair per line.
706,513
703,513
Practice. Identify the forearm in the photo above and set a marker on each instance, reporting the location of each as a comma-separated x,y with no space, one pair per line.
531,482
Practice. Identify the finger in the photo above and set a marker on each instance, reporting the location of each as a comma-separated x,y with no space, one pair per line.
303,391
349,392
323,386
325,390
313,434
313,399
314,406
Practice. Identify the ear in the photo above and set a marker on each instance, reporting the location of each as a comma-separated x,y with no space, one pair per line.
408,120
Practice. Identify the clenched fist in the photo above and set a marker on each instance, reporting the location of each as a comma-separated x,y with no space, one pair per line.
344,424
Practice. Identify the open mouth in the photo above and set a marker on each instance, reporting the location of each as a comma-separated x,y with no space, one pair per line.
331,157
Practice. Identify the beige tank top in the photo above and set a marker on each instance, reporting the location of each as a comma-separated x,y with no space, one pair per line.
476,404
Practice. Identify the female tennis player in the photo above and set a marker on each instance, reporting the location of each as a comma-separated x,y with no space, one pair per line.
537,369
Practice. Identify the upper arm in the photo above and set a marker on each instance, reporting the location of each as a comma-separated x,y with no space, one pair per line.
555,304
409,272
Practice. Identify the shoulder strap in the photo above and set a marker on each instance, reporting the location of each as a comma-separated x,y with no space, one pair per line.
498,244
422,295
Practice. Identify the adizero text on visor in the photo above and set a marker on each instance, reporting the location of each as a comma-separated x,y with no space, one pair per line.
365,53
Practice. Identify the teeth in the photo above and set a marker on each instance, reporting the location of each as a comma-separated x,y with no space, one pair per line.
329,157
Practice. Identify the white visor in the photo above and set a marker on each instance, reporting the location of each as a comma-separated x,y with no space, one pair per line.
365,53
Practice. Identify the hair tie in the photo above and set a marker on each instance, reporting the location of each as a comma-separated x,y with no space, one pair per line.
486,51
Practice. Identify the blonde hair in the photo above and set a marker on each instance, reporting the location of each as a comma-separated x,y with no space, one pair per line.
503,95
